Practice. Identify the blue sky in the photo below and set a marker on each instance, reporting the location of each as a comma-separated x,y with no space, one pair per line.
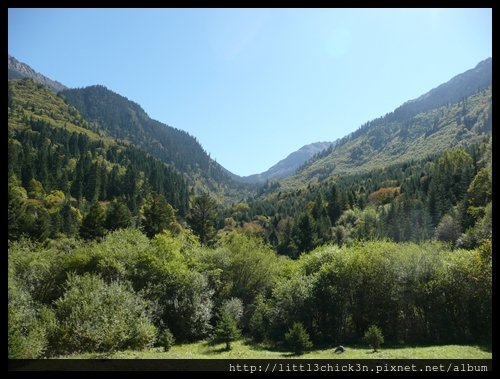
253,85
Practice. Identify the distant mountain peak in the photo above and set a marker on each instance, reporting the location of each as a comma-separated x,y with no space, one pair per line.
19,70
290,164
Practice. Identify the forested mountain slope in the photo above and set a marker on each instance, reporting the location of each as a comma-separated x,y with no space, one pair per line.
60,166
126,121
454,114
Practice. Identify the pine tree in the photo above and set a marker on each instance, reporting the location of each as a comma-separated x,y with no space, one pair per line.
202,216
335,205
40,228
305,234
118,216
297,338
69,221
93,223
158,216
226,330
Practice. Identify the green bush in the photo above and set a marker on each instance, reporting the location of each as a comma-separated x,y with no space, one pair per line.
166,339
374,337
297,338
95,316
29,325
144,335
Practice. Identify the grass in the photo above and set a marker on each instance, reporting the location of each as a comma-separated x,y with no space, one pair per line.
244,350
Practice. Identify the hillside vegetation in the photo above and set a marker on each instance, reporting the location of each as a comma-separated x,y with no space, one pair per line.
455,114
68,297
127,121
127,240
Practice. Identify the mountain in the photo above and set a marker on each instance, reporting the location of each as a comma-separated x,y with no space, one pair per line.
289,165
55,153
456,113
126,121
19,70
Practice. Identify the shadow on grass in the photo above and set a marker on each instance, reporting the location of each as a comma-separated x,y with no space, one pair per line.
218,350
292,355
486,348
213,349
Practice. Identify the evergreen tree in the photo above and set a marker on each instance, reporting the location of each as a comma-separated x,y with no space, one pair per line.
335,205
297,338
118,216
202,216
40,227
226,330
158,216
93,223
305,234
16,210
69,222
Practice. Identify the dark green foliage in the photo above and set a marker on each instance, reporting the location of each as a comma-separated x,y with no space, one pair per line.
124,286
305,234
166,339
93,223
403,202
202,216
64,153
297,339
125,120
260,322
70,225
95,316
409,290
158,216
118,216
16,211
374,337
226,330
335,204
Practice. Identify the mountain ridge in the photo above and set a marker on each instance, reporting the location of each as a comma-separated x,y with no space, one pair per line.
125,120
455,113
19,70
287,166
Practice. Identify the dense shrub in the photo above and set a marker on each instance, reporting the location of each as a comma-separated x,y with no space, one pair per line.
29,325
166,339
95,316
65,296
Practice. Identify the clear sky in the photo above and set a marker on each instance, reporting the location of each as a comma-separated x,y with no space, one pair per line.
253,85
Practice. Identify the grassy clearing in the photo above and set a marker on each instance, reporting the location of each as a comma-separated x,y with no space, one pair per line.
244,350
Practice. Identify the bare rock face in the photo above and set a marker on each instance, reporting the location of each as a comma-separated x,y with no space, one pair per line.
19,70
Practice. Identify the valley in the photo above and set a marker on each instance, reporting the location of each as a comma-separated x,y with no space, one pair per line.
126,239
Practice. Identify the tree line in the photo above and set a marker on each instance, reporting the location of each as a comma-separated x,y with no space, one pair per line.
445,197
128,291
